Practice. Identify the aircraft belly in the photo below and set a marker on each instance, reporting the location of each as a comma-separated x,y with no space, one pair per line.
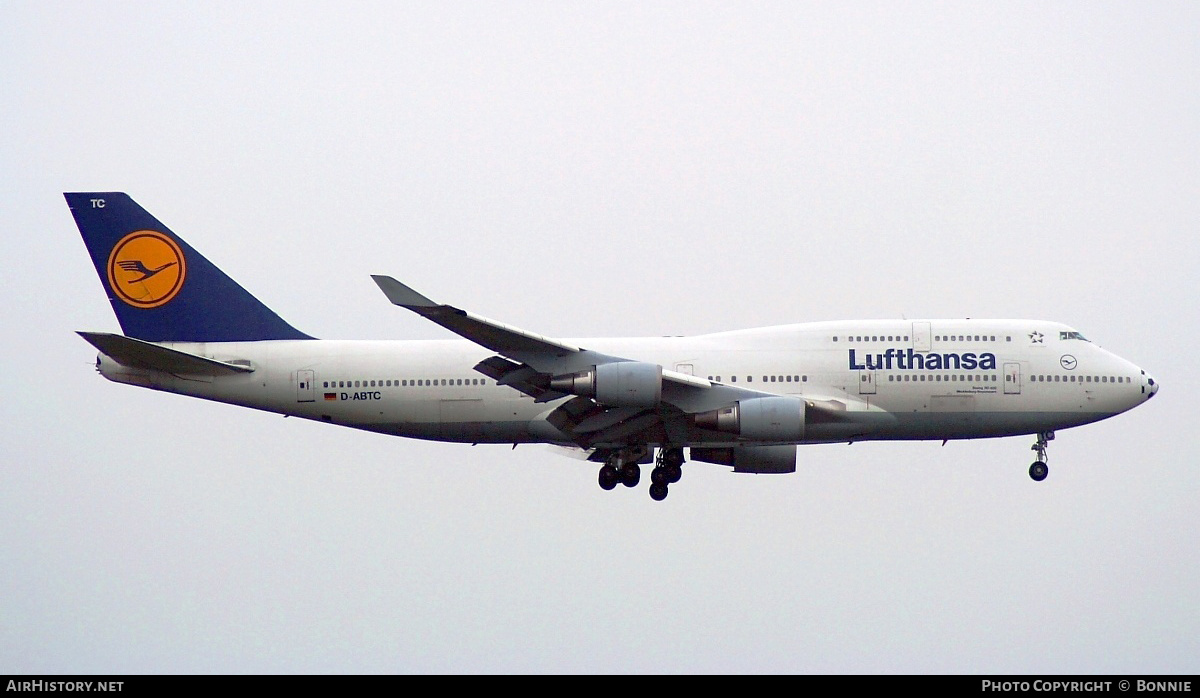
980,424
464,432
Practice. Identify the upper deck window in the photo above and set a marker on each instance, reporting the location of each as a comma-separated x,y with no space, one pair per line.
1071,335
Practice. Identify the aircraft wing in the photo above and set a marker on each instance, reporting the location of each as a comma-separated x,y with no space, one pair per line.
542,354
528,361
503,339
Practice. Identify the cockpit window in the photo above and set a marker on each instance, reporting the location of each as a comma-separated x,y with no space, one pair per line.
1071,335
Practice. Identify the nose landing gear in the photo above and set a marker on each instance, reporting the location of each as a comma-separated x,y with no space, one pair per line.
1039,470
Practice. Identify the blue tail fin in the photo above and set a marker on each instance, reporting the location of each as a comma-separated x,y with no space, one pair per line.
161,289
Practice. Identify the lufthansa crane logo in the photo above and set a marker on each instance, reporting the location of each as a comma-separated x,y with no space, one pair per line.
146,269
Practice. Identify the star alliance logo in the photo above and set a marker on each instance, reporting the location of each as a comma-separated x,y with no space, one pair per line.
1036,337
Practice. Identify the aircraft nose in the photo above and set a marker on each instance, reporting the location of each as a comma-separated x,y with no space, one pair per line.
1153,386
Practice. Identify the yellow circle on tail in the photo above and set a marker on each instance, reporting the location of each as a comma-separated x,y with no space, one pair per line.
146,269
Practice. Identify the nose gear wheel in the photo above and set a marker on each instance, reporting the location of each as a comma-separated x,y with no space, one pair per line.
1039,470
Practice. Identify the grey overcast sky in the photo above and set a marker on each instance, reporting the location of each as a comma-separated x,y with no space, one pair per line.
596,169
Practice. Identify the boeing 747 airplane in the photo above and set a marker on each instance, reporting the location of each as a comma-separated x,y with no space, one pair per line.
744,398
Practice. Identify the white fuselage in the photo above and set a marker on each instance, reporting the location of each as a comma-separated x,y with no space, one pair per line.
894,379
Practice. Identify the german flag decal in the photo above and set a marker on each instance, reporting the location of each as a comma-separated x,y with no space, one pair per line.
330,396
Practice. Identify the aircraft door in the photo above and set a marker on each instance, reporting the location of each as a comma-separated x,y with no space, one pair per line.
921,339
1012,379
866,382
305,389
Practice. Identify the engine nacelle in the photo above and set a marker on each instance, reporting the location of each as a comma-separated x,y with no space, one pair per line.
751,459
761,419
619,384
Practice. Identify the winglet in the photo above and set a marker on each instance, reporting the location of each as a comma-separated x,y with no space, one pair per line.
401,295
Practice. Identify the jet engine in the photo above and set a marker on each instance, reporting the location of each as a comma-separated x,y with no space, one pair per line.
751,459
760,419
618,384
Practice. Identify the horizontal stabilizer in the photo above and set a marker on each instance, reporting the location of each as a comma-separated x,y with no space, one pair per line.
135,353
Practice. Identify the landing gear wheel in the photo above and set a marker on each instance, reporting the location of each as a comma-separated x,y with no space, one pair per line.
658,476
608,477
631,474
658,491
670,462
1038,471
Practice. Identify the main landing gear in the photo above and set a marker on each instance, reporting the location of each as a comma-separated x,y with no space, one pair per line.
622,467
1039,470
667,470
616,470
